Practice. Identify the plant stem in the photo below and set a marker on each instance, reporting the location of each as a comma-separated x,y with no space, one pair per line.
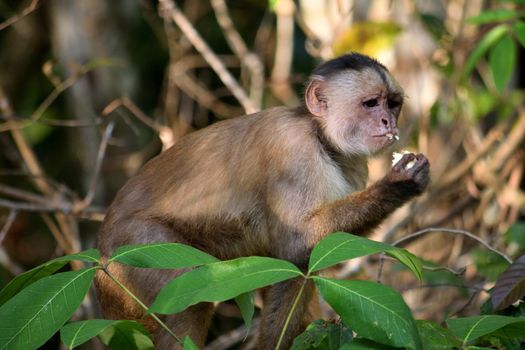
292,310
138,301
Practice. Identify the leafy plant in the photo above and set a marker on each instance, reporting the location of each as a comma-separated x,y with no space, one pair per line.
38,303
499,43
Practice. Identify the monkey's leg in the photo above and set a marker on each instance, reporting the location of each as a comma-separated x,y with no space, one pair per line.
278,301
116,304
145,284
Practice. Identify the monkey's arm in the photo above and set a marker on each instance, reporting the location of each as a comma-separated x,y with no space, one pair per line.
360,212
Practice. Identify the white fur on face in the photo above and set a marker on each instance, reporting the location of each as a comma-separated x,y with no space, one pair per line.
343,126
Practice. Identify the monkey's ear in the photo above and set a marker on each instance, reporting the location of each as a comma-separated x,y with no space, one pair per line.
315,98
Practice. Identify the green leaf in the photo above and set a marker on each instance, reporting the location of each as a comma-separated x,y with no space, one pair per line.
161,256
90,255
435,337
489,264
516,235
498,15
471,328
519,32
502,60
491,38
341,246
365,344
129,335
77,333
30,318
323,335
27,278
246,305
189,344
372,310
221,281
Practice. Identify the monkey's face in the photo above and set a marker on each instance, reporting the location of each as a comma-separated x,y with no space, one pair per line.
358,109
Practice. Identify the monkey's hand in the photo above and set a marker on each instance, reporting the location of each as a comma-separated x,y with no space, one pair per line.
410,175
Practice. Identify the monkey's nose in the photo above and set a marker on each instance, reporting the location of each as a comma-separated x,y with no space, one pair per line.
385,121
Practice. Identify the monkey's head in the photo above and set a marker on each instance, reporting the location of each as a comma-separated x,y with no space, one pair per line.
357,103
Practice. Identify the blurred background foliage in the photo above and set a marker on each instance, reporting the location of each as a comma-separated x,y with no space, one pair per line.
71,70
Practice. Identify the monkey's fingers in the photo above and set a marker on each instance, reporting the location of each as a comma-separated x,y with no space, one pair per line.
402,164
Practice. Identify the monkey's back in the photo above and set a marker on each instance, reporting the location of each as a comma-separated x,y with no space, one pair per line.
218,188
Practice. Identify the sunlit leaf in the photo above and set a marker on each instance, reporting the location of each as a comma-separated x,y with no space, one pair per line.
221,281
372,310
30,318
369,38
502,59
161,256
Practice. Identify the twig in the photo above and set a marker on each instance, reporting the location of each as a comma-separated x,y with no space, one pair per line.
84,203
166,134
7,225
280,77
12,20
451,231
180,77
37,175
439,229
169,9
238,46
21,194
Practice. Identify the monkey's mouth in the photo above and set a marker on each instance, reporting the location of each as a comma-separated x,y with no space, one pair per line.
389,135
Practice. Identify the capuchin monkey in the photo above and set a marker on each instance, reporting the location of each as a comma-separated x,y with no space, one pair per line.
273,183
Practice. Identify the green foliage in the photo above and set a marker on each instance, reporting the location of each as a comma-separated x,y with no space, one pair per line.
25,279
161,256
497,15
469,329
487,42
221,281
502,60
127,335
341,246
38,311
435,337
77,333
323,335
245,302
372,310
38,303
489,264
516,235
189,344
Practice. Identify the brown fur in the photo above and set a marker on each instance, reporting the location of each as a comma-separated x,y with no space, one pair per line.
269,184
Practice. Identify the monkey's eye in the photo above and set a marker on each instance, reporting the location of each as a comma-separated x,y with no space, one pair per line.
393,104
370,103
